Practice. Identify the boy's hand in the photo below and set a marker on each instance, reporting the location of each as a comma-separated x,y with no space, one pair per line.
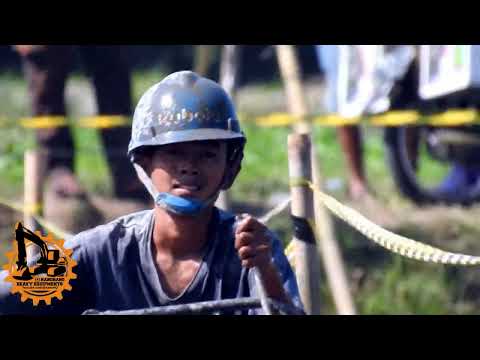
253,244
255,250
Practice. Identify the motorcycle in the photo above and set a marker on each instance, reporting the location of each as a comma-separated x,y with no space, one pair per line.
430,164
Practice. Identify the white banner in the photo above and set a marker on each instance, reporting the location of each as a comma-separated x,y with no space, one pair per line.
445,69
359,78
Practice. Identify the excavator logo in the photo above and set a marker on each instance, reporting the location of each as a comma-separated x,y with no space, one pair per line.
44,278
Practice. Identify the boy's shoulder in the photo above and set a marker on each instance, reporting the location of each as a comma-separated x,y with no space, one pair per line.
125,227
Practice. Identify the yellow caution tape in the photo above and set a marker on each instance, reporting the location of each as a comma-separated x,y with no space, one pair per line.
33,210
43,122
391,118
65,235
104,122
98,122
276,119
395,118
11,205
335,120
454,118
395,243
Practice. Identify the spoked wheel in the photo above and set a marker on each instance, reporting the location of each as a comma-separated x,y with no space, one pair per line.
423,159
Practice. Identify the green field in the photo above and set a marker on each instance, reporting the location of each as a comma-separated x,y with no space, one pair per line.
382,283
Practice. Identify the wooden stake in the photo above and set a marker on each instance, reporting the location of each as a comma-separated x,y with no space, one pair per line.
228,80
307,265
290,72
330,251
34,161
34,174
327,244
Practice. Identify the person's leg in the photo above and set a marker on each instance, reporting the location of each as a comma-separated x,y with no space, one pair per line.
351,141
349,136
46,69
109,69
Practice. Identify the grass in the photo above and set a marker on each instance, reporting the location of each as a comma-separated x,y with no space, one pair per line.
404,287
430,171
265,166
381,283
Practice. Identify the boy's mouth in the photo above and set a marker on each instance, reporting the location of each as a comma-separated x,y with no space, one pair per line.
186,189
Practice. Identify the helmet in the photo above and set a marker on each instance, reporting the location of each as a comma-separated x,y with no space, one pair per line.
187,107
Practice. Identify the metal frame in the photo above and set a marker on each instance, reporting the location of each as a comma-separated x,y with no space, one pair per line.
268,305
206,307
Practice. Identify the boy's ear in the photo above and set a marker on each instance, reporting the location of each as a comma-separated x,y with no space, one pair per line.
146,163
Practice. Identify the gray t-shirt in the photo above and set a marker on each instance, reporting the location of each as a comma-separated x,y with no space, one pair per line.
116,270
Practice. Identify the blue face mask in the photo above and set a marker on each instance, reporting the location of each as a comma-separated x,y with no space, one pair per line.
182,205
175,204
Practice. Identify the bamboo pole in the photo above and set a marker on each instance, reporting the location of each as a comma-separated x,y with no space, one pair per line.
34,174
290,73
202,60
327,244
229,68
228,80
330,251
34,168
307,265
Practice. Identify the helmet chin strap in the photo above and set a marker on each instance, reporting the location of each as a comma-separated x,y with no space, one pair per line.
175,204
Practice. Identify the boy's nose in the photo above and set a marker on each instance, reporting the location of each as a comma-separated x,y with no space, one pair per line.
186,171
188,167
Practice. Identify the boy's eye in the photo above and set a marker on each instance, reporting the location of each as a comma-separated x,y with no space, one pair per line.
210,154
172,152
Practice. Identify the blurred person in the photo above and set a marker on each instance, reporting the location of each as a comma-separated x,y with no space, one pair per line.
186,146
349,136
382,80
46,68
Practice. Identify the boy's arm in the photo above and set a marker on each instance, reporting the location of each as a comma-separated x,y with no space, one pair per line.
259,247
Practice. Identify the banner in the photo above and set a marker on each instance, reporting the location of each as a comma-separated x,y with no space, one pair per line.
359,78
446,69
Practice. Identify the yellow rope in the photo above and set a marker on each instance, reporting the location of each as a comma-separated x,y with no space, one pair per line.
395,243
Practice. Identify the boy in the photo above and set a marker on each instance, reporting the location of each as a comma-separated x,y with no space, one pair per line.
186,146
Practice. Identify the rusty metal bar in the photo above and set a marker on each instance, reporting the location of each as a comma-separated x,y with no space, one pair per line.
204,307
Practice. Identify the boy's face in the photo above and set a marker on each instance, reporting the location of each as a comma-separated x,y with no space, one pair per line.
191,169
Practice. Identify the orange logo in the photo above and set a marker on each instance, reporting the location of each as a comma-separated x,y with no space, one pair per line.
48,276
